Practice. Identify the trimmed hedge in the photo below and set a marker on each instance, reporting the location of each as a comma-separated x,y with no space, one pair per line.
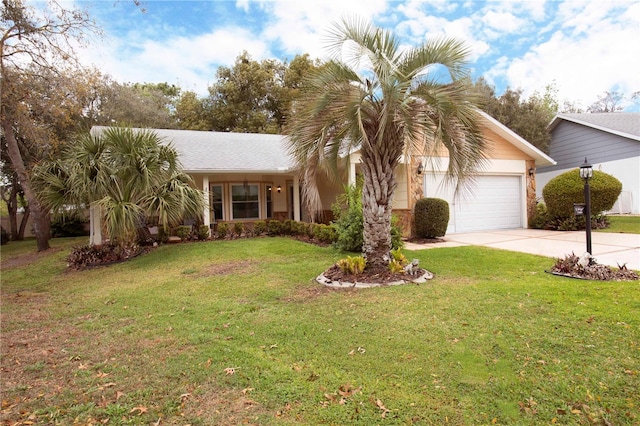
431,217
568,188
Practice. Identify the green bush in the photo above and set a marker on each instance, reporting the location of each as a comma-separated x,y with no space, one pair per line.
349,221
431,217
68,225
259,227
223,230
352,265
184,232
540,219
568,188
274,228
163,234
203,232
324,233
287,227
238,229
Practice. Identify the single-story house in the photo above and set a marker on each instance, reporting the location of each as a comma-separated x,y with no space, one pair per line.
249,177
609,141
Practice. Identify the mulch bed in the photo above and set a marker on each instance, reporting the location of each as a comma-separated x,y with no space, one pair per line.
571,267
369,276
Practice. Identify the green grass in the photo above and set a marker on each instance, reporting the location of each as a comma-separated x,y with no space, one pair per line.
492,339
623,224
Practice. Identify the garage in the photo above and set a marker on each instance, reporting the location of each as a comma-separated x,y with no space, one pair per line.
496,202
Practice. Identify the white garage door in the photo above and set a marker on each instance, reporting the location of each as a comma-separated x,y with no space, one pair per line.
496,203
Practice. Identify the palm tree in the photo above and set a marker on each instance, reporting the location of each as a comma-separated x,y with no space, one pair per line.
385,102
124,175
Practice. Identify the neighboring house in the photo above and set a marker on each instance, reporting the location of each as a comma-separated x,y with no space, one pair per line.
250,177
609,141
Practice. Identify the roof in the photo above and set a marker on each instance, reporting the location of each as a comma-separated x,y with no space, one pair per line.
625,124
205,152
516,140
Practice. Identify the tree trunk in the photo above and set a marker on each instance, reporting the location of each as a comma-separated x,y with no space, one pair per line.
23,223
378,169
39,216
10,197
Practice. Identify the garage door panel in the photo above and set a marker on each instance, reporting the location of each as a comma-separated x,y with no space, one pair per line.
496,204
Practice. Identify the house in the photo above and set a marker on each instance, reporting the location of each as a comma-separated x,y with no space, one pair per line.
249,177
609,141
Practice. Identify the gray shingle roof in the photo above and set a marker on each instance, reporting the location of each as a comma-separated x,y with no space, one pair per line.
625,124
202,151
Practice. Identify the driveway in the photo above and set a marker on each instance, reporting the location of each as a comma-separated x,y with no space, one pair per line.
608,248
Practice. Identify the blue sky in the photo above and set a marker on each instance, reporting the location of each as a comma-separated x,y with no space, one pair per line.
583,47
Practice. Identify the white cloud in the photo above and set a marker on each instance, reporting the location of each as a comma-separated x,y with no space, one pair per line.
187,61
300,26
606,57
503,21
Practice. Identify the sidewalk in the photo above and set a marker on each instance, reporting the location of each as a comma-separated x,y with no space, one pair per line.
608,249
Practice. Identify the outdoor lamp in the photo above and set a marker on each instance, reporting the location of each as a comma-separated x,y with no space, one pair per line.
279,189
586,170
532,170
420,169
586,173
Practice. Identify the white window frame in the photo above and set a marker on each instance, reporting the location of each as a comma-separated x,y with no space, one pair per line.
215,218
231,202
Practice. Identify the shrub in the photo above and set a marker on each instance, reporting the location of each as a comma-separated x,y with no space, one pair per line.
203,232
163,234
396,233
352,265
349,222
324,233
68,225
183,232
568,188
259,227
399,257
287,227
396,267
540,219
431,217
238,229
274,227
223,230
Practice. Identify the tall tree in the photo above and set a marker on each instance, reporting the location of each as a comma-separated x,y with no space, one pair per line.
528,117
33,47
386,102
608,102
138,105
191,112
124,175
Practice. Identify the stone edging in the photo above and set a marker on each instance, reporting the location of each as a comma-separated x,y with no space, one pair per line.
344,284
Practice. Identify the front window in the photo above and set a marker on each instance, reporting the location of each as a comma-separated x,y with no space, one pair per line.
245,202
216,202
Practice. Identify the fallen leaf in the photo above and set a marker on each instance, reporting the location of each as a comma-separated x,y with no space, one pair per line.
381,406
100,374
119,395
246,390
184,396
231,370
140,409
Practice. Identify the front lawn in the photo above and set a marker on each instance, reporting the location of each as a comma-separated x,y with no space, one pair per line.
237,332
623,224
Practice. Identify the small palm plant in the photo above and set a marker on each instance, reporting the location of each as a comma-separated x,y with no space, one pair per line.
125,175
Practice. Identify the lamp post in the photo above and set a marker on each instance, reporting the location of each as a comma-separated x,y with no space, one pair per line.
586,173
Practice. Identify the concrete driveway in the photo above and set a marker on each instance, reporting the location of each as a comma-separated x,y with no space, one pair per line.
608,249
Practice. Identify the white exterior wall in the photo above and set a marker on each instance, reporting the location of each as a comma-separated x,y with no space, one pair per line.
626,171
